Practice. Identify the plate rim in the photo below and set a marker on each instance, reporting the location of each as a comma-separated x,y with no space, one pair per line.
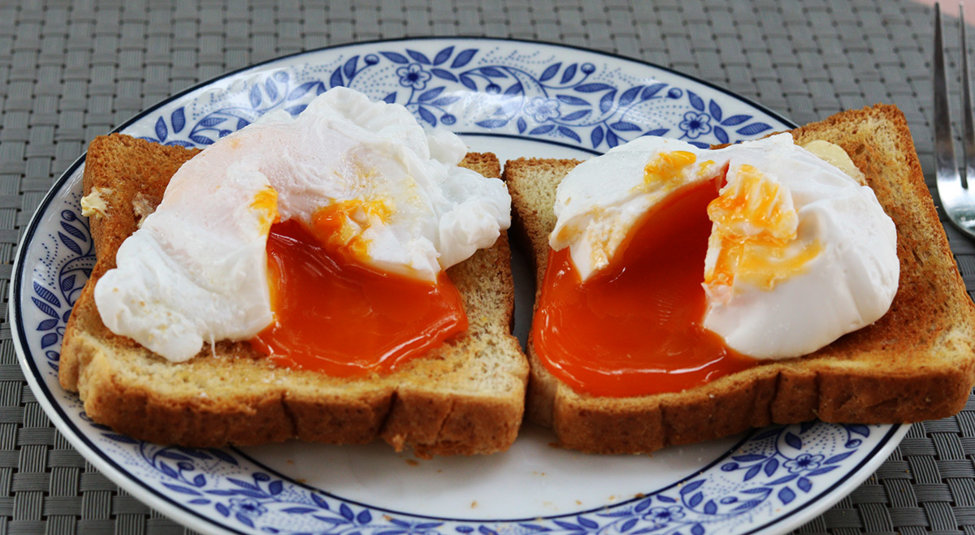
195,520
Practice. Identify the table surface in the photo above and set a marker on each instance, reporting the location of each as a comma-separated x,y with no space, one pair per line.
73,70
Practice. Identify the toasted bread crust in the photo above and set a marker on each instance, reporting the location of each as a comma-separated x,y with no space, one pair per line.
915,363
466,397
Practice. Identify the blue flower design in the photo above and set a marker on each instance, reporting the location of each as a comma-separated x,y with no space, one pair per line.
695,124
661,516
542,109
805,461
247,507
413,75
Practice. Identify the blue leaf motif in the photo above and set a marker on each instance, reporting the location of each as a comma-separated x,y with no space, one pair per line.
201,140
644,505
612,139
492,72
696,102
443,55
514,89
49,339
596,137
574,101
464,529
822,470
804,483
838,458
758,490
271,88
430,94
181,489
275,488
695,499
336,79
463,58
606,103
729,467
585,522
426,115
629,95
161,131
319,501
419,57
168,470
255,97
390,98
575,115
592,87
44,307
793,441
628,525
364,517
47,324
721,134
302,90
715,110
46,295
735,120
861,430
750,504
443,74
349,68
346,512
784,479
651,90
766,434
241,123
211,121
771,466
544,129
199,501
395,58
178,119
173,455
568,525
569,133
786,495
752,472
710,507
624,126
298,510
550,71
666,499
656,132
486,530
522,125
243,484
444,101
754,128
492,123
244,519
697,529
569,72
468,82
222,509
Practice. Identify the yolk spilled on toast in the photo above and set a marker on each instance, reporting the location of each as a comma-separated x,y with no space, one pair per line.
334,315
635,327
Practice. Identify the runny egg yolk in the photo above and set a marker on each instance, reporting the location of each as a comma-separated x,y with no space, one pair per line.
335,315
634,328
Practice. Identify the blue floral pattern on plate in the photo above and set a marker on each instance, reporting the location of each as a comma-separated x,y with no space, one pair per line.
474,86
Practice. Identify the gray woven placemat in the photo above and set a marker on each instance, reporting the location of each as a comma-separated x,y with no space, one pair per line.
73,70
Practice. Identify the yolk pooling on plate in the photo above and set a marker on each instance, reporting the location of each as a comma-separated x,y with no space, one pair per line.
334,315
634,328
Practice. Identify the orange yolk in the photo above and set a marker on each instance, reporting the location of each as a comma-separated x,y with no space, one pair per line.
337,316
635,327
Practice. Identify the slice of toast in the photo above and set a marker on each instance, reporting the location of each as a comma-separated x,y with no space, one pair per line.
465,397
916,363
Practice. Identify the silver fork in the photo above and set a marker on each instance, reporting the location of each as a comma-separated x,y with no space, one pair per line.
957,199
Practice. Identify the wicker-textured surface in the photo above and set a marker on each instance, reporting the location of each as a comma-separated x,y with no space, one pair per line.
70,70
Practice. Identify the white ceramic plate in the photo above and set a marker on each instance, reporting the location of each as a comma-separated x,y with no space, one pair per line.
515,99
